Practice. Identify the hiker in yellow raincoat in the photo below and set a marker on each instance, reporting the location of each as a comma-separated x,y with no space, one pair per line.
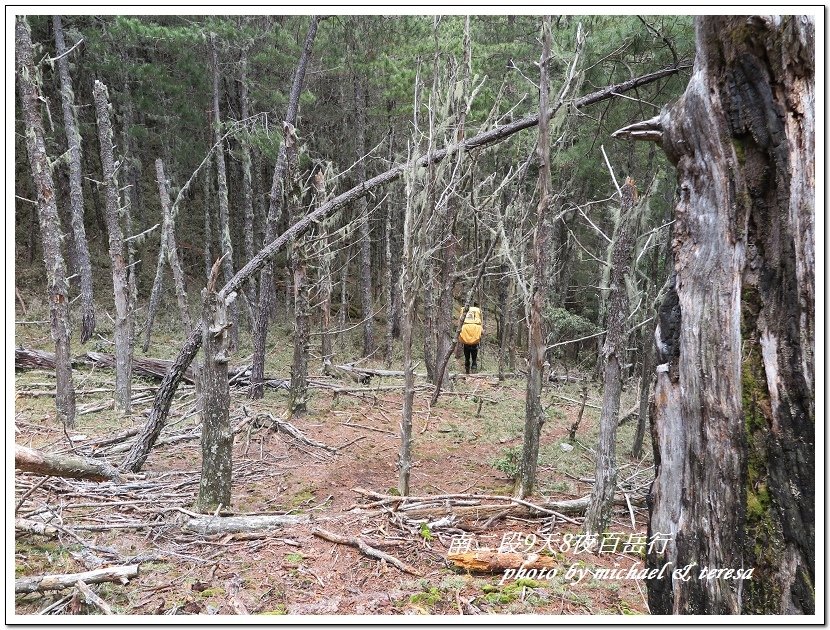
470,337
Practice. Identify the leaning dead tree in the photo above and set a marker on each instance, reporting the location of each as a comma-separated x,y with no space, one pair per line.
734,413
37,462
76,194
117,252
47,210
158,416
622,257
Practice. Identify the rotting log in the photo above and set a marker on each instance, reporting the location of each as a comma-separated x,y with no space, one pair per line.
234,524
40,463
489,561
59,582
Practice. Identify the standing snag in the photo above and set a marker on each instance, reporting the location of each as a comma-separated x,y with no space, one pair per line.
50,227
734,415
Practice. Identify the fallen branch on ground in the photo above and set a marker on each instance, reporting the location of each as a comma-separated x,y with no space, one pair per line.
60,582
367,550
40,463
232,524
489,561
91,598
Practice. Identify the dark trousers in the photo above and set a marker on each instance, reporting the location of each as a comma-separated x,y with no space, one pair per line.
470,352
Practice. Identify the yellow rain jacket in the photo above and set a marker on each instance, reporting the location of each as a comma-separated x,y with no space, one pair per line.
471,330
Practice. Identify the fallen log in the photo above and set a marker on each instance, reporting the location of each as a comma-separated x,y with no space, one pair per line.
91,598
25,526
59,582
367,550
489,561
233,524
40,463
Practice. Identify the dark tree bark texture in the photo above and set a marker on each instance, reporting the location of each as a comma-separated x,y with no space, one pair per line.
734,416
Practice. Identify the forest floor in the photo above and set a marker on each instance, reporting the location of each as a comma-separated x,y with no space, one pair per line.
467,444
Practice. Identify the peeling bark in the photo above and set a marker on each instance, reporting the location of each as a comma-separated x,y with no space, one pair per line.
47,212
117,252
76,195
734,414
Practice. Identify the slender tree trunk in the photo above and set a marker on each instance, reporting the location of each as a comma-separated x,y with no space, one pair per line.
260,332
50,230
164,396
131,167
734,414
298,265
534,414
366,307
76,195
247,182
324,273
117,252
605,479
217,436
343,310
388,283
647,374
169,234
208,231
226,248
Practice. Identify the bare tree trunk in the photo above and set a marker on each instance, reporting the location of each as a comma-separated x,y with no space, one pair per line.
366,307
260,332
117,252
226,247
131,167
605,478
389,285
324,273
217,436
343,310
534,414
169,235
50,230
734,414
76,195
647,374
208,231
164,396
297,261
247,182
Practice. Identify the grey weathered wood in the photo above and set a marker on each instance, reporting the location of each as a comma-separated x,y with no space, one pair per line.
734,411
47,212
208,525
40,463
169,235
366,306
117,252
76,195
217,435
534,414
622,255
59,582
187,352
225,243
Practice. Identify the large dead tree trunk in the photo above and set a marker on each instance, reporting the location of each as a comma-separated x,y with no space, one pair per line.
47,211
534,414
217,436
76,195
734,416
260,331
117,252
225,244
622,255
161,407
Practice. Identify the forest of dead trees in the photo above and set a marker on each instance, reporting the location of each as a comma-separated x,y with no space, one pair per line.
630,200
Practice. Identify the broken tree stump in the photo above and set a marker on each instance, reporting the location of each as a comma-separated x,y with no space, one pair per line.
59,582
40,463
